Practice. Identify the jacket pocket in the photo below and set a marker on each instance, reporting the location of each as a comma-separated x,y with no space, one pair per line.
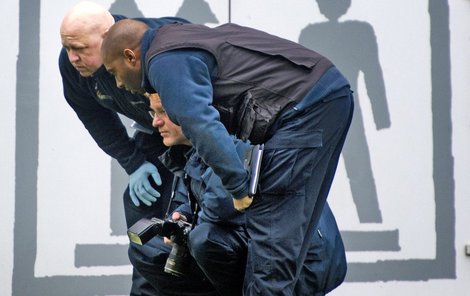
255,117
288,160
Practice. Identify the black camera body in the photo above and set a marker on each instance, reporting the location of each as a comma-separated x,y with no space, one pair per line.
178,231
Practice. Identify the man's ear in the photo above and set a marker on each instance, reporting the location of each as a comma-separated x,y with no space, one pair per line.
130,56
105,33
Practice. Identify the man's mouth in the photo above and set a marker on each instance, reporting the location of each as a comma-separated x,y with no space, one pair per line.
79,67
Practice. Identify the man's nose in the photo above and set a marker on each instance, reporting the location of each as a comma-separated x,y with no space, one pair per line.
73,57
157,122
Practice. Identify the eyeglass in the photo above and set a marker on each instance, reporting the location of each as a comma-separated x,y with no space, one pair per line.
159,114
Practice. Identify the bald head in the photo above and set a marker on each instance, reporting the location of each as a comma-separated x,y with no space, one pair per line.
81,32
125,34
86,17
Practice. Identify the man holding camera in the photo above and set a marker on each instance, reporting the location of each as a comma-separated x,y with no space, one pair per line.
218,239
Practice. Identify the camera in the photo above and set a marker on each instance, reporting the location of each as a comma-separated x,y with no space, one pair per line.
145,229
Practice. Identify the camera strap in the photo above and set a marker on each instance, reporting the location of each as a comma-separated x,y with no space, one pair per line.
172,196
192,200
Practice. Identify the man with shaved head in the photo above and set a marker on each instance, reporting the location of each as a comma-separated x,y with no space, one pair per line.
234,80
92,93
82,31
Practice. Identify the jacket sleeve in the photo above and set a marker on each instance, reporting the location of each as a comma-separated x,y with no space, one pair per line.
183,78
103,124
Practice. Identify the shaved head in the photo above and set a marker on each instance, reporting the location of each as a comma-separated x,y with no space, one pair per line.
86,18
81,32
126,34
120,53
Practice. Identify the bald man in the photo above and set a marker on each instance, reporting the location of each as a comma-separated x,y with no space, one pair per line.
92,93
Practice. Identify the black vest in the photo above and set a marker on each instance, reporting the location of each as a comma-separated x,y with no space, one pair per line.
258,74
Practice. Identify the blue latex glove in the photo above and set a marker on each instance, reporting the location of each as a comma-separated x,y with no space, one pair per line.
140,187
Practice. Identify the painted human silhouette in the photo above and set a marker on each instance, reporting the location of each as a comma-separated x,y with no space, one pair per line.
352,46
126,7
197,11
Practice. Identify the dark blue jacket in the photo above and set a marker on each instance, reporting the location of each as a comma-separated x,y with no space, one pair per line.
96,100
206,186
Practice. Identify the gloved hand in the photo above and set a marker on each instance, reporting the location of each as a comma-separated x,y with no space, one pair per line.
140,187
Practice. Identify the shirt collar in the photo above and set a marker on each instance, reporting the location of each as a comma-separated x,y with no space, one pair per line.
147,39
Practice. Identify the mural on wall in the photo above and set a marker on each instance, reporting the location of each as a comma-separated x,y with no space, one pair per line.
197,11
329,38
357,35
352,46
361,56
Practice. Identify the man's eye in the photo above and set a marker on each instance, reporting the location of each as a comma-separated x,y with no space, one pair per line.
77,48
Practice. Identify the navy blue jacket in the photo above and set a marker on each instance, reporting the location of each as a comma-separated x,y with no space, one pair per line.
206,186
96,100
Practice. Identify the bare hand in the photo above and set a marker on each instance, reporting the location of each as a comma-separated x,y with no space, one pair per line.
242,203
178,216
175,216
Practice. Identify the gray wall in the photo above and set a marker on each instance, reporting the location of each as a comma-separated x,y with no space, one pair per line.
399,194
